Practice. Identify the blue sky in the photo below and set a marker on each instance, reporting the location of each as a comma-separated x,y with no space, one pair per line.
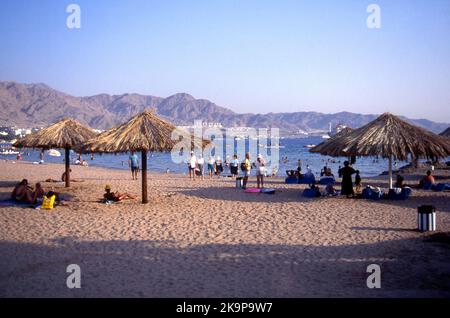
247,55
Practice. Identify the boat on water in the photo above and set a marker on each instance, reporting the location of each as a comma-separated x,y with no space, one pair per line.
54,153
274,147
326,137
310,146
8,152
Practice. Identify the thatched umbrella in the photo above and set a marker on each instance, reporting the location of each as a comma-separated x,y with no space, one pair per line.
144,132
66,134
387,136
343,132
445,133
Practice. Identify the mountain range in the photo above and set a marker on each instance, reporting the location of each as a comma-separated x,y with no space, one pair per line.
36,105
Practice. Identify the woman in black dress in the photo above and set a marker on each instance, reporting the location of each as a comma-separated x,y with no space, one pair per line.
347,183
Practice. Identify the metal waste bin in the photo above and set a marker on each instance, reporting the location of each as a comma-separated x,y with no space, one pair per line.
426,218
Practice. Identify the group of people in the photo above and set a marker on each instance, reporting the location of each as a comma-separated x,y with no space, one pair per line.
348,187
215,166
24,193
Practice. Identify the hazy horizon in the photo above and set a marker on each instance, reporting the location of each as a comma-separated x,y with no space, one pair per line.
225,106
250,57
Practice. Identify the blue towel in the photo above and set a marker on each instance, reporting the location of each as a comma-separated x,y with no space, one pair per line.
311,193
11,202
440,187
291,180
327,180
368,193
305,180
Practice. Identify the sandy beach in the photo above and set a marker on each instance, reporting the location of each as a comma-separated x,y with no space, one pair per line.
208,239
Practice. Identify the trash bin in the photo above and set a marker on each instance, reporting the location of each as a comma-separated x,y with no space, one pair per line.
426,218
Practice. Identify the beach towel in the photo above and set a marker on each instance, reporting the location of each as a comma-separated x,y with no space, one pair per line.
399,193
306,180
291,180
372,193
11,202
311,193
440,187
327,180
252,190
268,190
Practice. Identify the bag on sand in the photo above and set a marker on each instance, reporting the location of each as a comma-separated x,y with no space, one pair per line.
48,202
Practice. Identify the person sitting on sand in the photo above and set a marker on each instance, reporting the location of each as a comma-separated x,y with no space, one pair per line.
63,176
358,184
309,174
400,182
22,192
428,180
116,196
38,193
330,190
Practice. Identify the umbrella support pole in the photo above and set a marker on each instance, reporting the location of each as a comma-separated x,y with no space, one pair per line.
67,163
390,172
144,177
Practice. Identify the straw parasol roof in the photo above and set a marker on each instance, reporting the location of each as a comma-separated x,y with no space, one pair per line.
344,131
445,133
66,134
144,132
387,136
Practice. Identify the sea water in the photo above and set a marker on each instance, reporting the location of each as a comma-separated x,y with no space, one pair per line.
290,152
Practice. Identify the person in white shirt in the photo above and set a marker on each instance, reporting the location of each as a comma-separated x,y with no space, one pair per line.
200,165
192,165
211,166
260,171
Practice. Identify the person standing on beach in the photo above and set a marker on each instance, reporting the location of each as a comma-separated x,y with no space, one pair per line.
133,162
211,169
299,168
234,166
246,167
260,171
347,182
219,166
192,165
41,157
200,165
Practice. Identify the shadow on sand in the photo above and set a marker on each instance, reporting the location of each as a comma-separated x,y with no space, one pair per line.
410,268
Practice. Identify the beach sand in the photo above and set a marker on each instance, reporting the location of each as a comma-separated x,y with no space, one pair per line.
207,239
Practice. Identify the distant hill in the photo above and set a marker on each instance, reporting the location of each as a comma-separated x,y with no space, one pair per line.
34,105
